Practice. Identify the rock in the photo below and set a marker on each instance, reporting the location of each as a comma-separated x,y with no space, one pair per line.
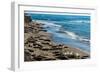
84,57
56,53
77,55
45,34
46,42
31,50
39,58
66,53
62,57
65,46
38,42
30,44
45,59
46,48
31,40
28,29
57,47
27,56
37,45
27,19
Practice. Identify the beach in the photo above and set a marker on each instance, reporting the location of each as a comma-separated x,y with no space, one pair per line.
39,44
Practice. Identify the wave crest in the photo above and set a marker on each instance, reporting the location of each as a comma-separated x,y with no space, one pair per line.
74,36
59,29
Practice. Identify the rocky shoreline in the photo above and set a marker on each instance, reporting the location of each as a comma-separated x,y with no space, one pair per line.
39,46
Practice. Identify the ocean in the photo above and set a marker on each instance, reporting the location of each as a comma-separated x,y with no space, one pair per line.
72,30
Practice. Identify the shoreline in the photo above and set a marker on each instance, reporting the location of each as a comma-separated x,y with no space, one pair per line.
38,45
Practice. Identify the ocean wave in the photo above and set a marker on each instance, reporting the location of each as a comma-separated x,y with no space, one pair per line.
59,29
74,36
79,21
65,21
47,24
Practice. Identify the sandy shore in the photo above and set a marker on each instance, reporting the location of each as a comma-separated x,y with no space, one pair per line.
39,46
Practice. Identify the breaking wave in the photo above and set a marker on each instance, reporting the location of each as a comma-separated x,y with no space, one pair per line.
59,29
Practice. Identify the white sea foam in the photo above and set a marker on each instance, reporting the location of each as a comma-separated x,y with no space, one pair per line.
71,34
74,36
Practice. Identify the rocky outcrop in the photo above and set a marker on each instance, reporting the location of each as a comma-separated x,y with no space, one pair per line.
39,46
